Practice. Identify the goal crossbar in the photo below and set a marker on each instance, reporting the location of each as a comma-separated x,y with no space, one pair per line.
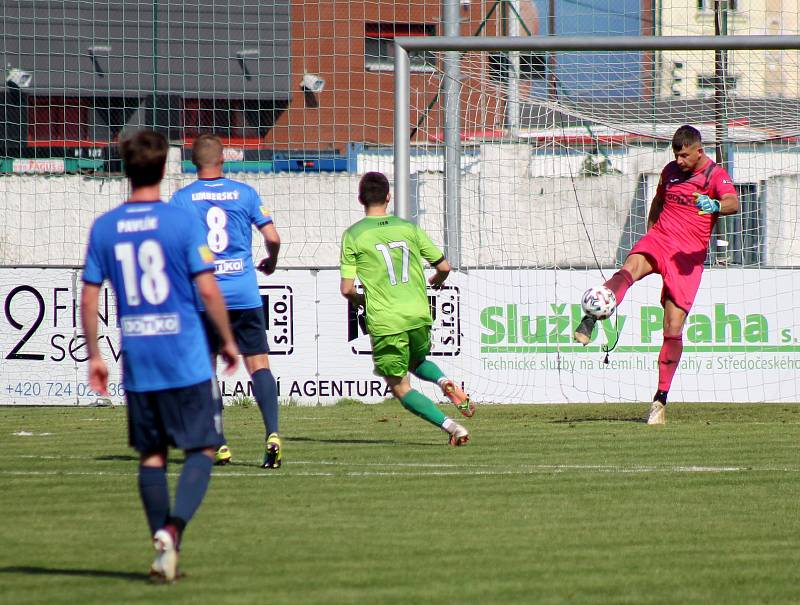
597,43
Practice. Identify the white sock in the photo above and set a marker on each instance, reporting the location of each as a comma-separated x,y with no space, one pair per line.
449,426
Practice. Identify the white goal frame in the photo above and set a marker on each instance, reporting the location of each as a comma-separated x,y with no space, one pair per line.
402,90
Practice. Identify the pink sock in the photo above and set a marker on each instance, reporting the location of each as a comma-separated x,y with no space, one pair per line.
619,284
668,359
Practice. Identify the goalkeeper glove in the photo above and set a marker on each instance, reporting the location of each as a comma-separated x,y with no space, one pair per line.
705,204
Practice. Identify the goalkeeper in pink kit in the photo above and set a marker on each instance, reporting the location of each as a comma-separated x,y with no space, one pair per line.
692,192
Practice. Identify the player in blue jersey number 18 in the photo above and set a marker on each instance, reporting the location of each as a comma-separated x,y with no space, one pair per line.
154,255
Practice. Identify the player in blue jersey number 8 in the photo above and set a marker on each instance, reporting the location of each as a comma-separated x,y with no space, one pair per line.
228,210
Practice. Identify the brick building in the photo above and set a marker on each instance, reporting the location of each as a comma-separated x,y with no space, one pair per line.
274,77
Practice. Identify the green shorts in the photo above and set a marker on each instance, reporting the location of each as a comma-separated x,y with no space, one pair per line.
393,353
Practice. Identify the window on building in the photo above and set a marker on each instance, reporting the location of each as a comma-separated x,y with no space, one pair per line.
708,5
57,119
205,115
532,66
237,118
74,120
706,85
379,49
744,232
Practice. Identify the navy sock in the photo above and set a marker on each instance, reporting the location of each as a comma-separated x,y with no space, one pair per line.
220,406
155,495
192,485
266,393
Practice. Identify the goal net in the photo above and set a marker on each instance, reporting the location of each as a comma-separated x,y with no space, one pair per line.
561,152
560,159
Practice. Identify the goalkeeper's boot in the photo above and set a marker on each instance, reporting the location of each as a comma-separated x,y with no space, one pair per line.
657,412
165,565
223,456
273,456
459,398
459,436
583,333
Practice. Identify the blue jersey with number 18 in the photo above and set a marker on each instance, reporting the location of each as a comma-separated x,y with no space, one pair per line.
228,210
151,252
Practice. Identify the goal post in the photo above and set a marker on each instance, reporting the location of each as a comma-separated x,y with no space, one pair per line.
551,201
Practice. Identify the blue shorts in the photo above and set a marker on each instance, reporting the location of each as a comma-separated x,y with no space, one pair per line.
249,330
186,418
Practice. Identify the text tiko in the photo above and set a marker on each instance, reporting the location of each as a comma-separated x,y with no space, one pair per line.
233,265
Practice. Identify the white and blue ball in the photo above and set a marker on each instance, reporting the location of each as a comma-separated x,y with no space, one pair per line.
599,302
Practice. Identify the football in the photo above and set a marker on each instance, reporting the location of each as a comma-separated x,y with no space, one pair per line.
599,302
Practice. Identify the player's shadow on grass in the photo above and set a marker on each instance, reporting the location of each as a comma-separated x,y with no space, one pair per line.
171,461
635,419
34,570
364,441
133,458
116,458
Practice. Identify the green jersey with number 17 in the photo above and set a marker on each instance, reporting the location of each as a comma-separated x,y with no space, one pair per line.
385,253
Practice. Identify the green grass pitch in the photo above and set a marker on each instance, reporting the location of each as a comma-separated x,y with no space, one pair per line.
547,504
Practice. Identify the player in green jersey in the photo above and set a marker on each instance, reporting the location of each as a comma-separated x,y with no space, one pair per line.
385,253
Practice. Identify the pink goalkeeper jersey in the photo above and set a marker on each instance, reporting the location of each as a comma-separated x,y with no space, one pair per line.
679,218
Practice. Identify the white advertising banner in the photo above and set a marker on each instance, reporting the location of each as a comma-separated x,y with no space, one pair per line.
506,334
741,341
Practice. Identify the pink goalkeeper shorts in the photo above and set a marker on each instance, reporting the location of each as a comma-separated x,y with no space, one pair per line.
680,270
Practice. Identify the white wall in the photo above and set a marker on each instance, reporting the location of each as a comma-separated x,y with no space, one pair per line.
518,208
45,220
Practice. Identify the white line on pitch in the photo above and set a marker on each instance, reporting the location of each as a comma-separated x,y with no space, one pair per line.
362,464
601,468
527,470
